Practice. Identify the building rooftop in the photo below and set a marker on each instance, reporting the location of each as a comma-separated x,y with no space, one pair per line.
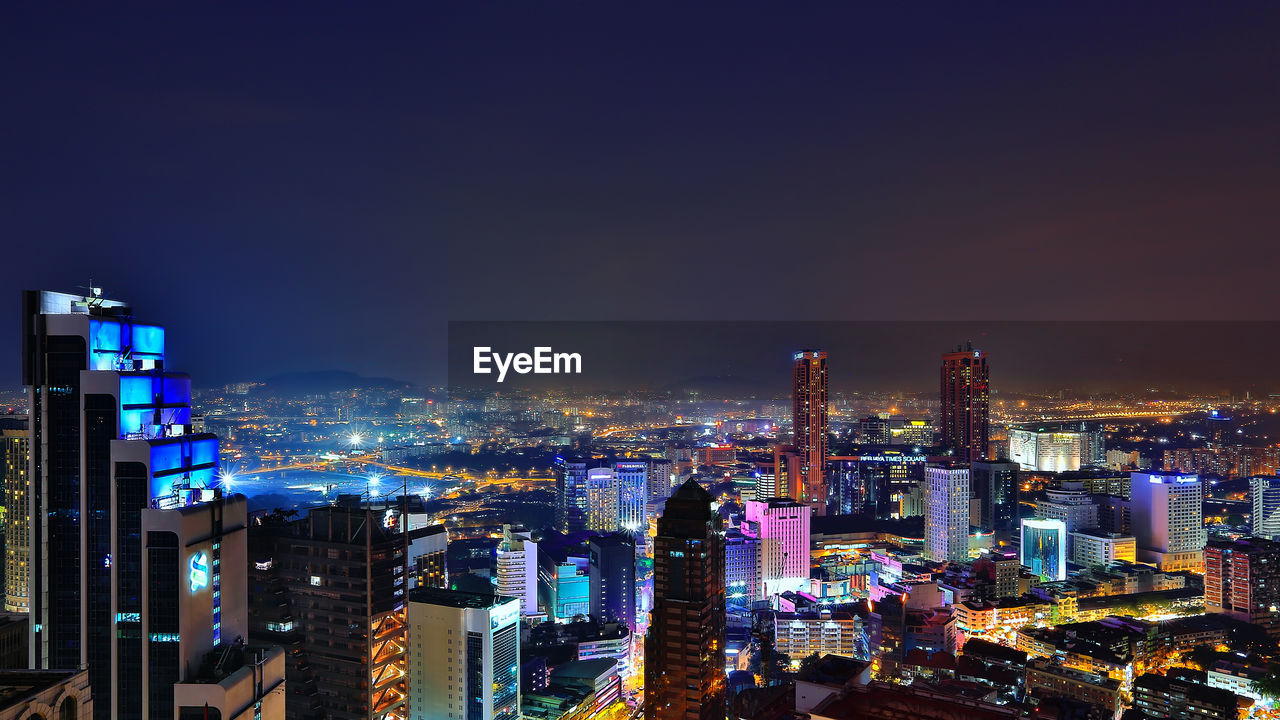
457,598
17,686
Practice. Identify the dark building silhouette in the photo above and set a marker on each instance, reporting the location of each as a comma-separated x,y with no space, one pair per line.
684,650
613,579
965,403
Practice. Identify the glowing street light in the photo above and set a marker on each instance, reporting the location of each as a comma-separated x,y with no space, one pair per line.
355,440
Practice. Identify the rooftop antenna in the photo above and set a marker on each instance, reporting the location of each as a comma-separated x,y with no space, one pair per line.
92,295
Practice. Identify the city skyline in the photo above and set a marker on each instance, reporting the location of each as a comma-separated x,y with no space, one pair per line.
715,361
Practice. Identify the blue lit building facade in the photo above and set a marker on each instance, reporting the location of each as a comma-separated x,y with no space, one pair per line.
572,589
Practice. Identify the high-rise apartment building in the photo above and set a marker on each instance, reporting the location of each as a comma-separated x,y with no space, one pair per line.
1265,519
517,565
464,656
685,647
345,573
14,458
995,485
946,518
782,527
809,422
612,583
965,403
661,472
1242,579
1044,548
1167,513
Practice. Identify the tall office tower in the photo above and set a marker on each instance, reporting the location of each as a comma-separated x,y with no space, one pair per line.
571,493
190,658
14,449
114,454
518,569
809,420
685,646
782,527
965,403
612,581
742,568
1044,548
1242,579
1265,520
63,336
464,656
874,430
1071,504
946,518
1168,520
995,485
429,558
345,572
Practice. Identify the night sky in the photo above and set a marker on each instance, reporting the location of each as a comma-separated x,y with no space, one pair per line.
324,187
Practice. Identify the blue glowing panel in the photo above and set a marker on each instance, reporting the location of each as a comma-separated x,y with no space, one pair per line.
104,344
137,391
177,390
204,451
148,341
166,457
113,345
132,421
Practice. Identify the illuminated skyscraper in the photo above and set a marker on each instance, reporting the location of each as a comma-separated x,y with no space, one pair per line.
1168,520
14,449
685,647
134,536
809,421
617,495
946,517
965,403
1044,548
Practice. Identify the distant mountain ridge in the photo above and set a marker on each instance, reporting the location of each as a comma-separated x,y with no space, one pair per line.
326,381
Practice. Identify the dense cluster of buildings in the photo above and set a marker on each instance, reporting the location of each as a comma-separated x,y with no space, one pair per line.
898,568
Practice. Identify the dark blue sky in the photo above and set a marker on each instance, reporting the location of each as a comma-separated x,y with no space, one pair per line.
325,186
